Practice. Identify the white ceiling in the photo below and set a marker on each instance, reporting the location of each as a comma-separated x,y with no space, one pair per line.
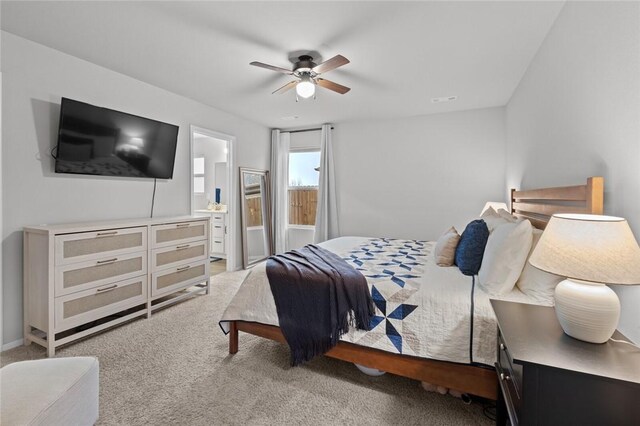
402,54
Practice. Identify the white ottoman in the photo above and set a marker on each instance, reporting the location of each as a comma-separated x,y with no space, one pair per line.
55,391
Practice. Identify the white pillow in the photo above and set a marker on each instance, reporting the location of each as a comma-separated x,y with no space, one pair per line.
504,257
492,219
535,283
507,216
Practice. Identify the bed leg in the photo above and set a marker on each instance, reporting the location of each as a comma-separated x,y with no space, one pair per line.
233,338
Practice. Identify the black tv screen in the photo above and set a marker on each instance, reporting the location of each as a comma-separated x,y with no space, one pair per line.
100,141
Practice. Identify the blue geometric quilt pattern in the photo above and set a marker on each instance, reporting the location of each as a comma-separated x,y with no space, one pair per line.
393,269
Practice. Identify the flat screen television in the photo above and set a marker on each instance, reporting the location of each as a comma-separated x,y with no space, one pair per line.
100,141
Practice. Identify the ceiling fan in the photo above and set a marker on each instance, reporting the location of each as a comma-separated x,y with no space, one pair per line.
307,73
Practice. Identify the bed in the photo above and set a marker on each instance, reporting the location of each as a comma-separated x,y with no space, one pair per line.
432,324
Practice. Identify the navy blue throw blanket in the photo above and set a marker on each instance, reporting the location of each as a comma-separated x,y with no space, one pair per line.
318,295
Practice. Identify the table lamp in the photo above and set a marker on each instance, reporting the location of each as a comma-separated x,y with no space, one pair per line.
591,251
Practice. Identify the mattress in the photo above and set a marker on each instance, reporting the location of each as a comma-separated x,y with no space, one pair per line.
422,309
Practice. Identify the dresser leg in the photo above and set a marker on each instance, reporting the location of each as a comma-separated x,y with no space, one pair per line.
27,330
51,342
51,348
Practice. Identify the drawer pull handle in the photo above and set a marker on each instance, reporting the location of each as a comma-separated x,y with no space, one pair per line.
218,242
111,287
104,262
104,234
218,227
180,225
504,377
184,268
184,246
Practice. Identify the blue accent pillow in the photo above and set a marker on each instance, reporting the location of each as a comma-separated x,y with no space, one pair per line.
471,247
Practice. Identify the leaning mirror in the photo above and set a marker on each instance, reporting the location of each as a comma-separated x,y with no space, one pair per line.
256,218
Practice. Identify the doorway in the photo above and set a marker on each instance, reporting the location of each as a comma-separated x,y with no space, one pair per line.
212,193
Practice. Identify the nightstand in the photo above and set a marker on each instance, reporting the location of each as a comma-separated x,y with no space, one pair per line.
546,377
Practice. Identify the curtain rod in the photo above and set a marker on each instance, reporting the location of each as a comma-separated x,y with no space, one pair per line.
304,130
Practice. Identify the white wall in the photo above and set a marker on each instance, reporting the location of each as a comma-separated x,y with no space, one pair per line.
576,113
256,243
220,178
415,177
1,229
213,151
34,78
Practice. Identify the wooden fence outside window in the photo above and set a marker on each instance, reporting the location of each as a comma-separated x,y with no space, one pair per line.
254,210
302,205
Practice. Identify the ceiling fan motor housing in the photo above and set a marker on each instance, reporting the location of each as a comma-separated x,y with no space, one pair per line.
304,65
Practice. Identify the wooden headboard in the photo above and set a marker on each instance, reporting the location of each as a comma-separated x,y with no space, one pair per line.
538,205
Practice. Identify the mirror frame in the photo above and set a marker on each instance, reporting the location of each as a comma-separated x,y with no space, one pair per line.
266,215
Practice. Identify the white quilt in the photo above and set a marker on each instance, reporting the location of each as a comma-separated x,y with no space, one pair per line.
422,309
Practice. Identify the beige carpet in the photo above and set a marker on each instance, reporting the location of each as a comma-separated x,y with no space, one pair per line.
174,368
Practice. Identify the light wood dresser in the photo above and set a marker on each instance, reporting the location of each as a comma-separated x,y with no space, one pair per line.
81,278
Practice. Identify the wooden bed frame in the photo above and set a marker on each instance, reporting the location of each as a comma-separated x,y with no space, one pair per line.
537,205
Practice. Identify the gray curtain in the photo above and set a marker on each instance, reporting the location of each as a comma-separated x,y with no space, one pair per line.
280,142
327,210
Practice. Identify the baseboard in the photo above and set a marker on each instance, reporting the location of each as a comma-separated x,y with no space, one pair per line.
12,345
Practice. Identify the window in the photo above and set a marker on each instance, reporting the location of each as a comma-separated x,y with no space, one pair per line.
198,175
303,187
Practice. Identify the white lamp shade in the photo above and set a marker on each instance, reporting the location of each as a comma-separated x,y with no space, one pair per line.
496,205
593,248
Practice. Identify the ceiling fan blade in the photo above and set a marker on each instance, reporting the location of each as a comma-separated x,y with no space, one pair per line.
288,86
332,86
330,64
271,67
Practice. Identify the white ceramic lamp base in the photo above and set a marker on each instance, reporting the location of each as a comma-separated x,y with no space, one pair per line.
587,311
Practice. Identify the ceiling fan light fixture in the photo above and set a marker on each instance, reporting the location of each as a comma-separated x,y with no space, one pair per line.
306,87
307,75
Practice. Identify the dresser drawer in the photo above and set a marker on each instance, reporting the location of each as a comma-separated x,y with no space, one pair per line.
168,257
85,306
179,233
217,230
514,371
70,248
217,245
217,218
510,380
94,273
172,279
